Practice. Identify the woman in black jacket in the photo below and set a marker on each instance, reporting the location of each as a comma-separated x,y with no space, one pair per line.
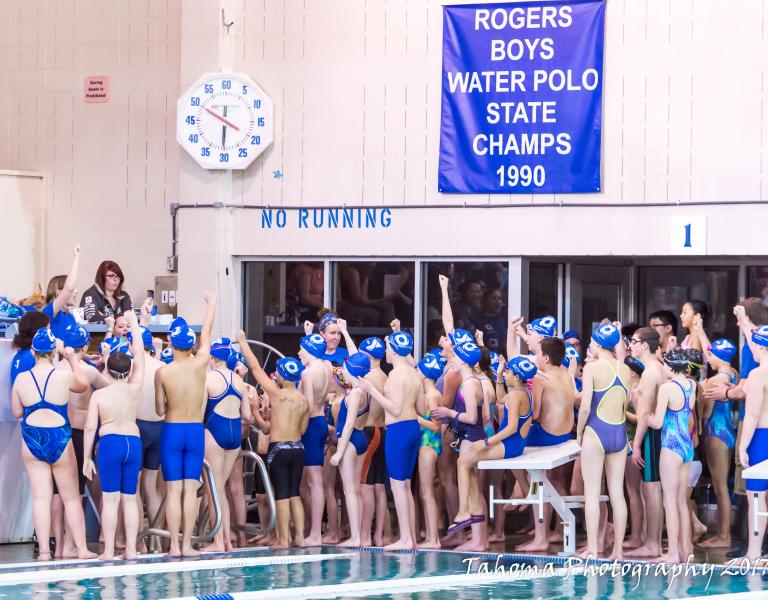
106,297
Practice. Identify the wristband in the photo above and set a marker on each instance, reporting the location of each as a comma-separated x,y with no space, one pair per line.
726,393
486,442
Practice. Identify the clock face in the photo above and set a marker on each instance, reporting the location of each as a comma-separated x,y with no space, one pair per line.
224,121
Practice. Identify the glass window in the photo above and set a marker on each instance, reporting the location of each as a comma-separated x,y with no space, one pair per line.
542,290
757,283
478,299
369,295
278,298
668,288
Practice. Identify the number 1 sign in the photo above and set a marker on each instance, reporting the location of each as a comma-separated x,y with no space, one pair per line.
688,234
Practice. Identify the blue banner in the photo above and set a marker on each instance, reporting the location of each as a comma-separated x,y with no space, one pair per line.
522,97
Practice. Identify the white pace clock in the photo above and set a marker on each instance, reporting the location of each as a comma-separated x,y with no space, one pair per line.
224,121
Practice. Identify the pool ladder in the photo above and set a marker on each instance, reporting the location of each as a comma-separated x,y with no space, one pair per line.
154,532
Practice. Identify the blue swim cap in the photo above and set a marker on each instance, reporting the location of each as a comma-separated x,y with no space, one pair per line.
234,359
167,355
546,326
494,362
221,348
146,337
75,336
607,336
401,342
44,342
460,336
373,346
760,335
358,364
571,333
314,344
430,367
523,367
290,369
181,336
9,310
723,349
177,322
571,354
117,344
468,352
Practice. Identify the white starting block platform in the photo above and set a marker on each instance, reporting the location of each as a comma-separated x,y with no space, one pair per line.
538,461
759,471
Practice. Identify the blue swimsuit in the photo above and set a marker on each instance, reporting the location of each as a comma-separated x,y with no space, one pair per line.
471,432
358,439
612,436
46,443
675,433
225,430
720,423
515,443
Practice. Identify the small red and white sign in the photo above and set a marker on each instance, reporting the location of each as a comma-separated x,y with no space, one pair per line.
96,89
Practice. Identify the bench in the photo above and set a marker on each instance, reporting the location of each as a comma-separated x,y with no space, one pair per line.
759,471
538,461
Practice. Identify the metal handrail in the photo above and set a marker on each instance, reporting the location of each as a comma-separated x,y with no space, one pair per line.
268,490
156,531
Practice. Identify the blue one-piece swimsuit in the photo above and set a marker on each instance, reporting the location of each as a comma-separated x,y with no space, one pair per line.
46,443
225,430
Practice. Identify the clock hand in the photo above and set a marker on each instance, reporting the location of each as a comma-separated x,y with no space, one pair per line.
222,119
223,135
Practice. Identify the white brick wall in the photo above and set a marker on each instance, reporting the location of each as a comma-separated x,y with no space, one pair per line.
356,85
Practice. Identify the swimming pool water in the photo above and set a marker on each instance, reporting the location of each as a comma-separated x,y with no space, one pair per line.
357,567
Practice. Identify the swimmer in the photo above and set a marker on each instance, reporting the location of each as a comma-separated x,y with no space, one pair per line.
285,455
117,326
150,426
373,477
692,310
180,397
315,380
466,416
113,412
602,435
720,432
673,412
509,442
352,443
431,368
403,433
646,447
60,298
46,433
753,445
77,338
665,324
554,396
224,410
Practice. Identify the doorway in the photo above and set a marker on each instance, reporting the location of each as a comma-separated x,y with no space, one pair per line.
597,292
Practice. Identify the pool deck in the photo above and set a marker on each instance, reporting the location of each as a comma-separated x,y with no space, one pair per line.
24,553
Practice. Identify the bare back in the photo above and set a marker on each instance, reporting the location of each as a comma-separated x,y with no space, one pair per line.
118,404
556,396
216,383
375,417
403,387
147,410
315,381
182,383
290,413
57,392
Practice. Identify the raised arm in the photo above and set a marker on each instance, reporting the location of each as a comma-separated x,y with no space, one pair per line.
745,325
446,311
137,349
515,331
259,374
351,346
67,295
204,351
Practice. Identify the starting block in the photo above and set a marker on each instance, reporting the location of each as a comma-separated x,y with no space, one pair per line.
538,461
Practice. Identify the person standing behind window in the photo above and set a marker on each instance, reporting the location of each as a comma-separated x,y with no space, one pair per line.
106,298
